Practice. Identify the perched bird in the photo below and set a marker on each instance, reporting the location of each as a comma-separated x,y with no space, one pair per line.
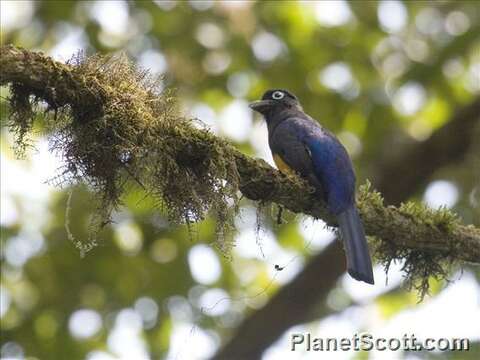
299,144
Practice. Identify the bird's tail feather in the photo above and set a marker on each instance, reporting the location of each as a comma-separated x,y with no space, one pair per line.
359,264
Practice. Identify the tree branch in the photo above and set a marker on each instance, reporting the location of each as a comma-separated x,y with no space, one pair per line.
400,231
311,286
409,226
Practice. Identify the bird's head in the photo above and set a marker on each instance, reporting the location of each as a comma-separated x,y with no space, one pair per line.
275,100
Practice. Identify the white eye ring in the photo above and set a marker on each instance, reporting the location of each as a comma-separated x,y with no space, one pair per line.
277,95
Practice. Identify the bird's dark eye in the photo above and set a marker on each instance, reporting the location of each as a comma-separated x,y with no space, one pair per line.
277,95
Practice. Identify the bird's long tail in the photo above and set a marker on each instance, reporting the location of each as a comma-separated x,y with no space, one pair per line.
359,264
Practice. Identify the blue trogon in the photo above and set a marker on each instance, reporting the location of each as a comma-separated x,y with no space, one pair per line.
301,145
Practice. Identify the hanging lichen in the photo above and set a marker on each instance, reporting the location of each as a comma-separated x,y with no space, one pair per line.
123,128
115,127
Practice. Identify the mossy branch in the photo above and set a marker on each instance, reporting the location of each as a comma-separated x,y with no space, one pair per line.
115,126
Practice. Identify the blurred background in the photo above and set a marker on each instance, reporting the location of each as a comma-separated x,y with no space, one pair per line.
384,76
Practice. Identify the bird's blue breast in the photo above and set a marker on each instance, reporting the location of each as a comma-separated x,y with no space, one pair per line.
331,163
333,168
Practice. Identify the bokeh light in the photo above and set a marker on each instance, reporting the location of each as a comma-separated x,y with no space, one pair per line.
336,76
84,323
125,340
147,308
204,264
15,14
383,76
392,15
267,47
441,193
409,98
332,12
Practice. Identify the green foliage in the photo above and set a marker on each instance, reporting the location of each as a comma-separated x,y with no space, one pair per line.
55,282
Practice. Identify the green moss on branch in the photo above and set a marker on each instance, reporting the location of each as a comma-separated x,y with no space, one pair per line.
113,125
